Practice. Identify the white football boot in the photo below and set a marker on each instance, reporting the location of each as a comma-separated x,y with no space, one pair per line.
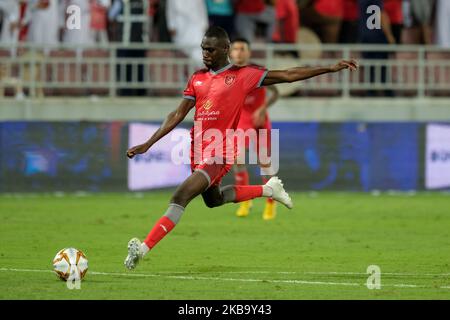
279,194
134,254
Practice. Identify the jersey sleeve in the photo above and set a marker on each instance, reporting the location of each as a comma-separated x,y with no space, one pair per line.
189,91
254,77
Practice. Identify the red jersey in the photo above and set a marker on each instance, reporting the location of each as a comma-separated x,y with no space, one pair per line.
253,102
351,10
287,11
394,10
330,8
99,16
219,99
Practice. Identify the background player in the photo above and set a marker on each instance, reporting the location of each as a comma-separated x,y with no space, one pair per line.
218,93
254,115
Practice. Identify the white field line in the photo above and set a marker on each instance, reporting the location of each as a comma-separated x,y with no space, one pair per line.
305,282
312,273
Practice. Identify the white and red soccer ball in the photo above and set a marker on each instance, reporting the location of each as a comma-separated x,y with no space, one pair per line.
70,264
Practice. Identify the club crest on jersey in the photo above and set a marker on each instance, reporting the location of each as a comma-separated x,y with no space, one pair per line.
230,79
207,105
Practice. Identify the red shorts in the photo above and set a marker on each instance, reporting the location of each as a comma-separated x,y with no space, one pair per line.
213,172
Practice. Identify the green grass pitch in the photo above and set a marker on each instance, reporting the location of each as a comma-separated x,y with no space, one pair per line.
319,250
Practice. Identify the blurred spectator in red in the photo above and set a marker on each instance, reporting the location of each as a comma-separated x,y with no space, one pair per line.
394,11
443,23
417,17
251,12
99,13
23,33
221,13
288,21
325,18
187,22
349,27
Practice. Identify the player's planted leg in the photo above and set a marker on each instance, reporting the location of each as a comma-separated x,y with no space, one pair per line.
188,190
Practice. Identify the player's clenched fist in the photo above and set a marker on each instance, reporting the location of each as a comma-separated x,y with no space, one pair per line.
142,148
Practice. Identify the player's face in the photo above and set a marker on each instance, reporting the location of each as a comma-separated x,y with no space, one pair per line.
214,52
240,53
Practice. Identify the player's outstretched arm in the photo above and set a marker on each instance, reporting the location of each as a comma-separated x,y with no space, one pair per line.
172,120
303,73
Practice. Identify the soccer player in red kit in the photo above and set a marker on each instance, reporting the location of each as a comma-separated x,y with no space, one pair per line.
218,93
254,116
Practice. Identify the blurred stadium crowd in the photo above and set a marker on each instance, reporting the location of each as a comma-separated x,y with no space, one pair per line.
179,21
96,57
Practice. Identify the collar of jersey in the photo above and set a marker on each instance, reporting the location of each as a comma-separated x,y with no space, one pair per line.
228,66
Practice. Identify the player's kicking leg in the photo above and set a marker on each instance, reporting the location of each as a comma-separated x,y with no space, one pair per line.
216,196
194,185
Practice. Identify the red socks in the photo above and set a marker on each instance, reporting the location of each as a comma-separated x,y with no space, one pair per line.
244,193
243,190
159,231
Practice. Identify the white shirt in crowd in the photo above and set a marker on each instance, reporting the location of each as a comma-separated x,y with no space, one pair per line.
43,23
443,23
11,15
189,21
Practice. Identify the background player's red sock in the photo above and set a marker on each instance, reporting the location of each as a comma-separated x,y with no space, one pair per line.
244,193
241,178
159,231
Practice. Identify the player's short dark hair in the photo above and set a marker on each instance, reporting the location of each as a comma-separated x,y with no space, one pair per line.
217,32
243,40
